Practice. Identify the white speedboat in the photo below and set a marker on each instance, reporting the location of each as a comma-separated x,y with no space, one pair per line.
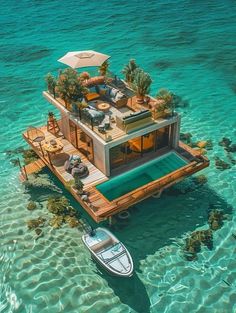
109,252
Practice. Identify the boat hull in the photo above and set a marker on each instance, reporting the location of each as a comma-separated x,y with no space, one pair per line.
109,252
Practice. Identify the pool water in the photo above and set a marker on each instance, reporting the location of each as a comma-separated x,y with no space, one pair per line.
140,176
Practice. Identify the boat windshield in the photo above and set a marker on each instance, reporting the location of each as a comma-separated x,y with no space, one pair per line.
112,252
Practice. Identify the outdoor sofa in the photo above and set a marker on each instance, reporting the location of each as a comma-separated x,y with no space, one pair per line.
134,121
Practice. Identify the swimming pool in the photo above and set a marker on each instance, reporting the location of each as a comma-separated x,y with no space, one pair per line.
141,175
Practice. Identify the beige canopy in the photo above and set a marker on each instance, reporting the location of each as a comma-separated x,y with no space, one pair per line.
87,58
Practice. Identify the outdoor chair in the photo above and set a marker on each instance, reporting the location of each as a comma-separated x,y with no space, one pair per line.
101,128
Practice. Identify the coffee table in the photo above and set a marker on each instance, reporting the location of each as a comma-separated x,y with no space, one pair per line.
54,146
103,106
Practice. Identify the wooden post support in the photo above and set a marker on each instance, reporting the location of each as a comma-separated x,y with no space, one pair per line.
26,176
49,158
22,169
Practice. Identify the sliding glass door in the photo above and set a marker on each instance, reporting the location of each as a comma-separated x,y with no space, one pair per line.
81,141
162,138
139,147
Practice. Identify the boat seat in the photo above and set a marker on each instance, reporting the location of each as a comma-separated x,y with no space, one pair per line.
102,245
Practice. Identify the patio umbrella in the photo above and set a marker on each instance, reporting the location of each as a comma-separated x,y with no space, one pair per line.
87,58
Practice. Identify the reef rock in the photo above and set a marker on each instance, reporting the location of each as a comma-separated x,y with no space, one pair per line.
232,148
221,165
35,223
31,206
215,219
56,221
225,142
58,205
72,221
200,179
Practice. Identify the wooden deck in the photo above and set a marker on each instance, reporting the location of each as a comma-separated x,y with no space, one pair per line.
31,168
97,205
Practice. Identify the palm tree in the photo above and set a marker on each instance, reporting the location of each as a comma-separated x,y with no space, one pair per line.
51,83
141,84
129,70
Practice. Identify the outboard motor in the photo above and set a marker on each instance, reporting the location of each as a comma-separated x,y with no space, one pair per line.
92,232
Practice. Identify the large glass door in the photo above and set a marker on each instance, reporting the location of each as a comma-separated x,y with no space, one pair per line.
162,138
81,141
139,147
148,143
85,144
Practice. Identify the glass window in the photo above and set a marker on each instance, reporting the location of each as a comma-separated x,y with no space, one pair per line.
134,149
148,142
117,155
139,147
162,138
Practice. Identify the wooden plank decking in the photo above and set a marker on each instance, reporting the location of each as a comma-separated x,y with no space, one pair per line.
56,165
97,205
31,168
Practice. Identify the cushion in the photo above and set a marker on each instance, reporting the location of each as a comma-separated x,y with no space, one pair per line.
74,157
81,170
113,92
92,95
119,95
91,113
97,80
136,117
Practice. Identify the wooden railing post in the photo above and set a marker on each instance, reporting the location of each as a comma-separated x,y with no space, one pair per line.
22,169
26,176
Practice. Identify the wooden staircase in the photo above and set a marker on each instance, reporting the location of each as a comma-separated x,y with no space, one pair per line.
31,168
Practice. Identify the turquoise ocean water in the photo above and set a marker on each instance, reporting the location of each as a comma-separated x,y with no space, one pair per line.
186,46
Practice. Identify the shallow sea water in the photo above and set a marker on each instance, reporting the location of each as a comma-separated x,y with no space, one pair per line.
187,47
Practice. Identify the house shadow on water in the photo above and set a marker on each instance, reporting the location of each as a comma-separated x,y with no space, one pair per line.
153,223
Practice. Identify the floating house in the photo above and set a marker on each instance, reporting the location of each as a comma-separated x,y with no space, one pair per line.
121,146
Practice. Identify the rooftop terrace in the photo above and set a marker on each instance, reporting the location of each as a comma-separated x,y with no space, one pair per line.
115,116
109,106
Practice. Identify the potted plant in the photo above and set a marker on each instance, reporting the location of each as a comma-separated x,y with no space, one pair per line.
129,71
51,84
51,117
78,184
159,109
84,76
141,84
103,69
167,97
